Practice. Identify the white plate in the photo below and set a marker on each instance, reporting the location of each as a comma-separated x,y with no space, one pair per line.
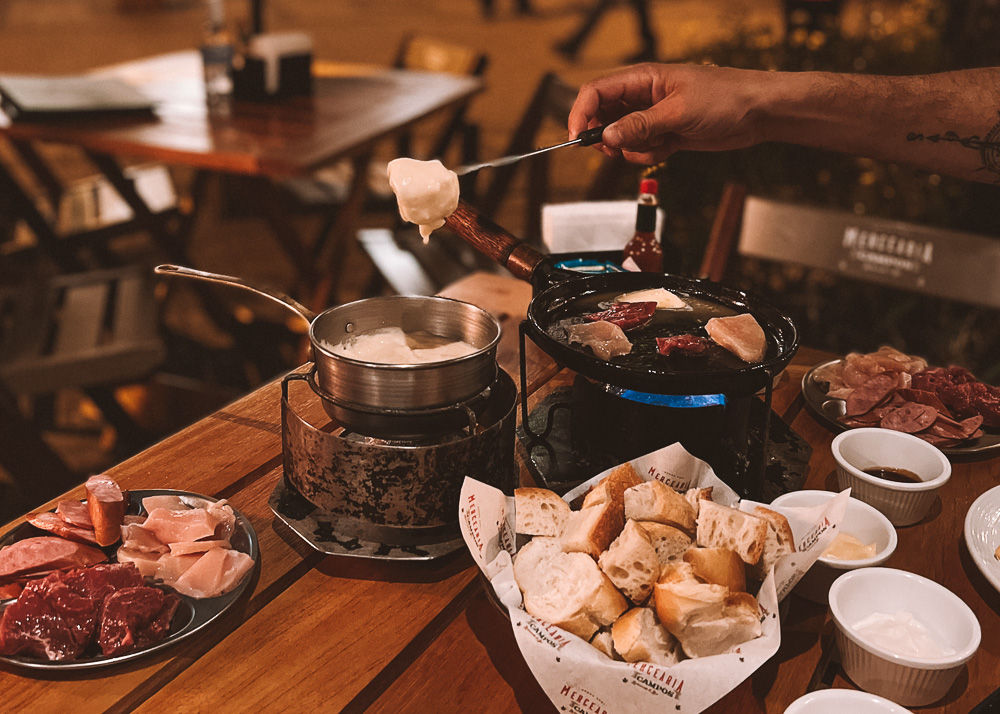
982,534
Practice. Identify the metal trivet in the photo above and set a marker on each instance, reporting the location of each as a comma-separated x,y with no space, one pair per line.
320,529
555,462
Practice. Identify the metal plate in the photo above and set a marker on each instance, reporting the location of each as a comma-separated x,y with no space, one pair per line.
982,534
827,410
192,615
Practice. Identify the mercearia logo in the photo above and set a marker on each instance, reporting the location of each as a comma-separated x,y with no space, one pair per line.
582,701
887,252
810,540
472,521
656,680
546,633
675,482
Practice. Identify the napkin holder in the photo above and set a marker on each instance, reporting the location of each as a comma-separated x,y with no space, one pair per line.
274,66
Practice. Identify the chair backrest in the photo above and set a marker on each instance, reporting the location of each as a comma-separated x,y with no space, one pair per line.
954,265
551,102
428,54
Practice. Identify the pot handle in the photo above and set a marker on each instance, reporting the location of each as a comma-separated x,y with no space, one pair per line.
278,297
493,241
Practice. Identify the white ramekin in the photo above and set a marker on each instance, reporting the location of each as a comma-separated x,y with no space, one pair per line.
910,681
839,701
860,520
902,503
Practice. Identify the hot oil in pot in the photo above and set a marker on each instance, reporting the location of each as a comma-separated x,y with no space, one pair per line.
665,323
894,475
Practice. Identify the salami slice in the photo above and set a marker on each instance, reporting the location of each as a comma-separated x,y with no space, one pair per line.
910,418
76,513
870,393
54,524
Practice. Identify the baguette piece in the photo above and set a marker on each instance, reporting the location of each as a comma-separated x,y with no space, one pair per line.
779,542
611,487
695,496
718,565
575,595
656,501
533,563
679,603
721,526
638,637
539,512
670,543
631,563
739,623
106,506
604,642
591,530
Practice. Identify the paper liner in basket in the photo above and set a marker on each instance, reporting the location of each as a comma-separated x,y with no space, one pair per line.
579,678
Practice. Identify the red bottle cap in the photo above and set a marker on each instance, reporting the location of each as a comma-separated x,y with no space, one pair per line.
648,185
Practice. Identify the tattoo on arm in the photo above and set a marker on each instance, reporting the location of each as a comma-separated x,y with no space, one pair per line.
988,147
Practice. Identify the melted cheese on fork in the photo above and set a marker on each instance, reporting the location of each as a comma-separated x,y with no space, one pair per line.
426,192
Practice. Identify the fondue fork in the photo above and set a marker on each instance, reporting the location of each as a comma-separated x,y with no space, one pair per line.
586,138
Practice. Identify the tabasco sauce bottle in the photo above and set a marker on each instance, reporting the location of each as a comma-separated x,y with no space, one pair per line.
644,247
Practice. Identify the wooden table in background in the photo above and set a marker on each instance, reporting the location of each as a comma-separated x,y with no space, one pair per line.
330,633
351,109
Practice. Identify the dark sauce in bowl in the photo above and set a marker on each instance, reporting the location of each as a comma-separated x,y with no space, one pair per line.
894,475
665,323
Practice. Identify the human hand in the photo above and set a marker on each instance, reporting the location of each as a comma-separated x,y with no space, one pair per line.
653,110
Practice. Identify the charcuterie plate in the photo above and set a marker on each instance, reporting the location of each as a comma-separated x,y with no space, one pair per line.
193,614
827,411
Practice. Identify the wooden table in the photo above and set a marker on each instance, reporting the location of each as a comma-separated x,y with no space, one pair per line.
329,633
352,108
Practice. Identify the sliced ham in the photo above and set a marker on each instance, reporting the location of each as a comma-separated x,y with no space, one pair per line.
76,513
604,338
135,537
217,571
106,504
181,526
159,566
45,553
52,523
199,546
740,334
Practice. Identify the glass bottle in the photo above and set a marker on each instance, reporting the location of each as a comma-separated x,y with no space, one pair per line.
217,56
644,247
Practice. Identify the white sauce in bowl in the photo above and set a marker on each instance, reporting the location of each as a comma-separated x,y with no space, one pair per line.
902,634
426,192
391,345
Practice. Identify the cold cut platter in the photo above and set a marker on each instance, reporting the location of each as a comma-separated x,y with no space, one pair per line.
193,603
947,407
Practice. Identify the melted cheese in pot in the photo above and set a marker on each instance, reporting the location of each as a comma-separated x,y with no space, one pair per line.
391,345
426,192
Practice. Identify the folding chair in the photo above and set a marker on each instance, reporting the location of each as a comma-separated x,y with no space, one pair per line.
858,271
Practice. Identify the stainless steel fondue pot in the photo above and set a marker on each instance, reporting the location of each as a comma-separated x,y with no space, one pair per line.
371,386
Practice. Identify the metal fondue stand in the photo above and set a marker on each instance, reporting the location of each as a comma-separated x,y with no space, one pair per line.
602,413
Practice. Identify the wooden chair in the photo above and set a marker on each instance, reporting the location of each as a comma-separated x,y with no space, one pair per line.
835,253
551,103
93,331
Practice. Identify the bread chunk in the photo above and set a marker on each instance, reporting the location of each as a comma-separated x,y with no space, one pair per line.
638,637
539,512
669,542
739,623
573,594
533,563
591,530
695,496
604,642
655,501
721,526
631,563
779,541
680,602
721,566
